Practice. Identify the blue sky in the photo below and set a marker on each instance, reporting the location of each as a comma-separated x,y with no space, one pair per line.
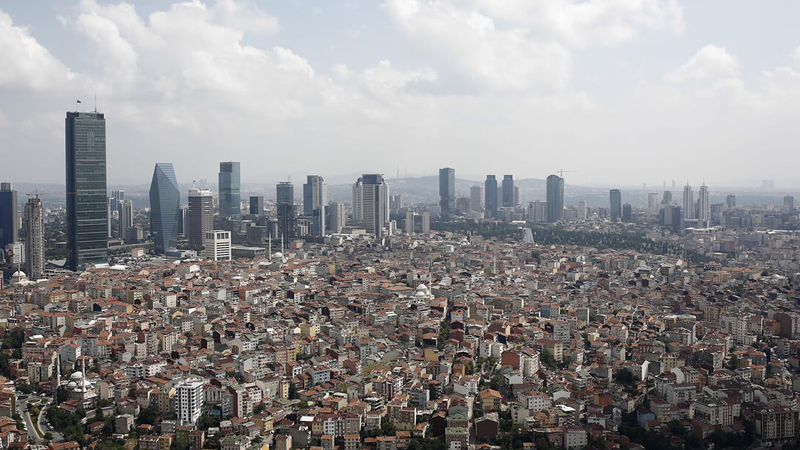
618,91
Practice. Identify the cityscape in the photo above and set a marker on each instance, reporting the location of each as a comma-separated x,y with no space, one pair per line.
528,307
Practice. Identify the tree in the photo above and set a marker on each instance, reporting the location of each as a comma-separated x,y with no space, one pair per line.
149,415
205,422
302,404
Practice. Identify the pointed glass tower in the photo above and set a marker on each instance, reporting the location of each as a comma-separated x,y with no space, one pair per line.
165,199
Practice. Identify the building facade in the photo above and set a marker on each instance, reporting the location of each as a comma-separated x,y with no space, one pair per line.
33,219
447,192
230,197
87,194
555,198
490,196
200,217
165,212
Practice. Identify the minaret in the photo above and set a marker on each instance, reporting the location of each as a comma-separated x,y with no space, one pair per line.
58,371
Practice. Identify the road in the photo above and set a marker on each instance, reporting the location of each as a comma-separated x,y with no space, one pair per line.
22,409
57,437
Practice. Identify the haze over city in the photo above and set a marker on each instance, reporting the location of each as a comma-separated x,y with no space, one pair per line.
614,92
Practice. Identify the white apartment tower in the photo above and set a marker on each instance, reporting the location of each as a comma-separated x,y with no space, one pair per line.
189,401
34,238
704,203
217,245
688,202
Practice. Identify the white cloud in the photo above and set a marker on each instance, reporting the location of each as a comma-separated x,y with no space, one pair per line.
26,63
709,62
588,23
474,53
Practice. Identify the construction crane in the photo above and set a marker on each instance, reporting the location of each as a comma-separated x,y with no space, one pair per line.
37,193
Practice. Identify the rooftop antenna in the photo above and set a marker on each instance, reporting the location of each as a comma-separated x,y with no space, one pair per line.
95,102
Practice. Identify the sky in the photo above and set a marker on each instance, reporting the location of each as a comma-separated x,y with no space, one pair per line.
610,91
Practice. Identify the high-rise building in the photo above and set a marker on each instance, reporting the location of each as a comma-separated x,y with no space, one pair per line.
371,198
516,195
788,202
582,211
256,205
688,202
286,212
730,201
337,217
447,192
87,194
116,196
125,214
615,199
315,202
165,212
490,196
627,213
34,238
200,218
555,198
183,221
396,203
230,197
189,400
476,199
217,245
508,191
8,216
704,205
652,201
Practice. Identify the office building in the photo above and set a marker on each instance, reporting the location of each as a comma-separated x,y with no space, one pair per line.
582,210
165,208
730,201
230,197
315,203
704,205
371,200
667,198
615,209
476,199
508,191
447,192
33,219
516,195
490,196
116,196
555,198
200,218
189,400
337,217
627,213
788,203
688,202
87,193
286,212
652,201
183,221
256,205
125,215
8,216
217,245
417,223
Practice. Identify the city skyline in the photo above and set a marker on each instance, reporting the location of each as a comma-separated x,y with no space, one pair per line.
666,83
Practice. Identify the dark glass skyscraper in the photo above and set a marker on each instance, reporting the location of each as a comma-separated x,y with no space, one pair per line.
256,205
286,214
230,196
615,199
490,195
315,203
447,192
555,198
508,191
87,195
165,202
8,216
200,217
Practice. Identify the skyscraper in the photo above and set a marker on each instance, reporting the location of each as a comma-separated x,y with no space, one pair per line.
788,202
730,201
256,205
125,210
165,203
615,200
286,213
34,238
688,202
476,198
337,217
447,192
87,194
8,216
508,191
230,197
490,196
200,218
704,205
315,201
116,196
627,211
582,211
652,201
373,198
555,198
